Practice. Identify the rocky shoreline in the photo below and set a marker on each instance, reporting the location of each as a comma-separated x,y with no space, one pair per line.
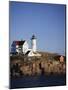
22,66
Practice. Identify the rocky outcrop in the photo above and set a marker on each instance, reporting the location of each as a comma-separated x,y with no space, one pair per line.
36,66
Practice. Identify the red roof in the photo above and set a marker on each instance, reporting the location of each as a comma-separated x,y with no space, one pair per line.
19,42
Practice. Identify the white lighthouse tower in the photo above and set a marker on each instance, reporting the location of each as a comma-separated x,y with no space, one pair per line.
33,43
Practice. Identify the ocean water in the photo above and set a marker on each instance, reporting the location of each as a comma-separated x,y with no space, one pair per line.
37,81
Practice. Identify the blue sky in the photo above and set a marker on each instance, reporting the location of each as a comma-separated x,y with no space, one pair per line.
46,21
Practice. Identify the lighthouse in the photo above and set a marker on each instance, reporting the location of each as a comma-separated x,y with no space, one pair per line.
33,43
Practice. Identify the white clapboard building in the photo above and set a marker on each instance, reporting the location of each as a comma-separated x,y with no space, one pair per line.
22,47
